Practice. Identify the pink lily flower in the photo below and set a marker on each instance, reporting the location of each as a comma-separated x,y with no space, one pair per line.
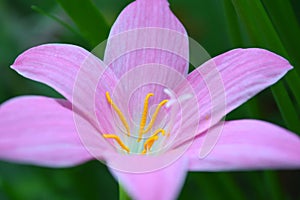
137,131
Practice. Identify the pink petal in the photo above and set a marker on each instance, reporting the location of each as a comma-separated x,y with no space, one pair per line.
133,87
227,81
41,131
56,65
164,184
146,32
247,144
72,71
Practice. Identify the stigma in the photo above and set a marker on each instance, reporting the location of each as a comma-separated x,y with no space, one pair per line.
143,129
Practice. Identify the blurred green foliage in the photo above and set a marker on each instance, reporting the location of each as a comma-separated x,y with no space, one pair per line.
207,22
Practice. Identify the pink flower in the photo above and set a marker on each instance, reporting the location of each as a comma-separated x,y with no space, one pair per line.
140,126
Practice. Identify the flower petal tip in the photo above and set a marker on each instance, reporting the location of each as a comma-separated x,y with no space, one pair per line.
281,61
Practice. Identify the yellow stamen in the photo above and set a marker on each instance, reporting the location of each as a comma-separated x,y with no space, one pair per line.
118,140
144,115
119,112
162,131
161,104
148,144
150,141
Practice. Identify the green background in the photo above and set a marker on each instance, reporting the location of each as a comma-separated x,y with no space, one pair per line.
216,26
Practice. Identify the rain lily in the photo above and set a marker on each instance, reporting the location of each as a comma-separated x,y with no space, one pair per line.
139,110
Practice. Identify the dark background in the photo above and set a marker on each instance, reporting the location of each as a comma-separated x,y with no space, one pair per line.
21,27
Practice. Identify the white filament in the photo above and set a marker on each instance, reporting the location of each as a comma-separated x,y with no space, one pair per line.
173,98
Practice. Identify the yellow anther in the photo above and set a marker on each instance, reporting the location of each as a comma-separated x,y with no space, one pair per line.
118,140
148,144
150,141
161,104
119,112
144,115
162,131
144,152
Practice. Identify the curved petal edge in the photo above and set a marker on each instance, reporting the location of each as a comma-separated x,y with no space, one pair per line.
245,145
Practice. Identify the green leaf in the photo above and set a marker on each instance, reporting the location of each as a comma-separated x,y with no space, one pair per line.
262,33
235,34
230,186
233,25
64,24
286,107
271,182
285,22
258,25
89,20
122,193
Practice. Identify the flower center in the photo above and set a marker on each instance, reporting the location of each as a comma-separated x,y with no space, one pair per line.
143,129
